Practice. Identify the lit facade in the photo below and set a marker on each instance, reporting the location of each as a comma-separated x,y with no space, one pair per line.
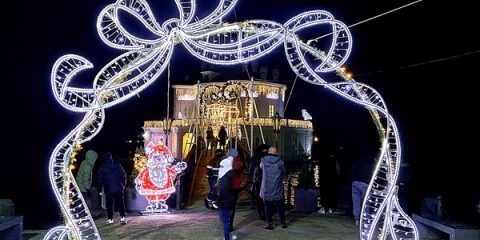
229,104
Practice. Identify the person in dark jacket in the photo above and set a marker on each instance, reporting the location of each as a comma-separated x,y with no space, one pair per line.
225,195
360,175
222,137
212,176
112,178
271,190
256,178
210,139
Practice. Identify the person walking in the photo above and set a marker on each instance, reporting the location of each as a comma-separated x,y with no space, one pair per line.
112,178
238,168
225,195
84,176
271,190
256,178
212,175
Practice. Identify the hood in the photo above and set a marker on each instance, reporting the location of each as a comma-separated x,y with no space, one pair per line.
271,158
91,156
225,166
109,165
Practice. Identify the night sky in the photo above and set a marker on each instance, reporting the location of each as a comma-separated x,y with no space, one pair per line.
404,55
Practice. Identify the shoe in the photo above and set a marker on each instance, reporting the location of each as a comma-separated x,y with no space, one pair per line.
234,237
268,226
207,203
357,222
283,225
109,221
123,220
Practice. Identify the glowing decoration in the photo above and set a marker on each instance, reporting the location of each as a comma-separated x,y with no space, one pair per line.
306,116
225,44
187,97
156,179
272,95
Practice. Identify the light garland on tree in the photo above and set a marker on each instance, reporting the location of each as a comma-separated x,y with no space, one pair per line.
223,44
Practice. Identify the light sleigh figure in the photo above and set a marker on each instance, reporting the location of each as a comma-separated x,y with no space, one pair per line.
217,42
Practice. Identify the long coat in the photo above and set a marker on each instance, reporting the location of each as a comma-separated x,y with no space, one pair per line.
272,179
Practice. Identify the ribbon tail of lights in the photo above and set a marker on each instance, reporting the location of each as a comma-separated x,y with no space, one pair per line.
144,60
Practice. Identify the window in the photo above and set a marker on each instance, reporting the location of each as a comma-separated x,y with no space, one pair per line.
271,110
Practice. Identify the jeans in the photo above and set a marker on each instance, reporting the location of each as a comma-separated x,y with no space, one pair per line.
280,209
359,189
225,220
118,198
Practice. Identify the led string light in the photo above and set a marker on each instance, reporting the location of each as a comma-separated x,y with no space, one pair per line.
223,44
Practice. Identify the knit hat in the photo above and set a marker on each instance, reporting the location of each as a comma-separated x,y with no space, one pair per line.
232,152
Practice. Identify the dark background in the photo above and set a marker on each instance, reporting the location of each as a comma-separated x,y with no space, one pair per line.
402,55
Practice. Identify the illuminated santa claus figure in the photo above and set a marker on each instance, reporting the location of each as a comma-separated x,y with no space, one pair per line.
156,180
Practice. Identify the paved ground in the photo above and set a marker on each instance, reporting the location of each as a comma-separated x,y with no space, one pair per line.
201,223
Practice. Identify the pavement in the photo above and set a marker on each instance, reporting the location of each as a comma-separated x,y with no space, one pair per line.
197,222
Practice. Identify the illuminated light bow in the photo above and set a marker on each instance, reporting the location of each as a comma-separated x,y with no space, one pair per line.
225,44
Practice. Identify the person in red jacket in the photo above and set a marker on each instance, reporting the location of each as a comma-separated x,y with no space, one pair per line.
238,168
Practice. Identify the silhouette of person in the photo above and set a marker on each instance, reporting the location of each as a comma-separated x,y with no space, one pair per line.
271,190
210,139
222,137
84,176
225,195
212,174
256,178
113,179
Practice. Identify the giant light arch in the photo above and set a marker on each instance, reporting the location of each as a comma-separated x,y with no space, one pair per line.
210,40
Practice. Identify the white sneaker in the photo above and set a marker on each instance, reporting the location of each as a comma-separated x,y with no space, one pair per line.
109,221
234,237
123,220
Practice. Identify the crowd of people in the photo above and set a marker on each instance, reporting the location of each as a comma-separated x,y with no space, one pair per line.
226,175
